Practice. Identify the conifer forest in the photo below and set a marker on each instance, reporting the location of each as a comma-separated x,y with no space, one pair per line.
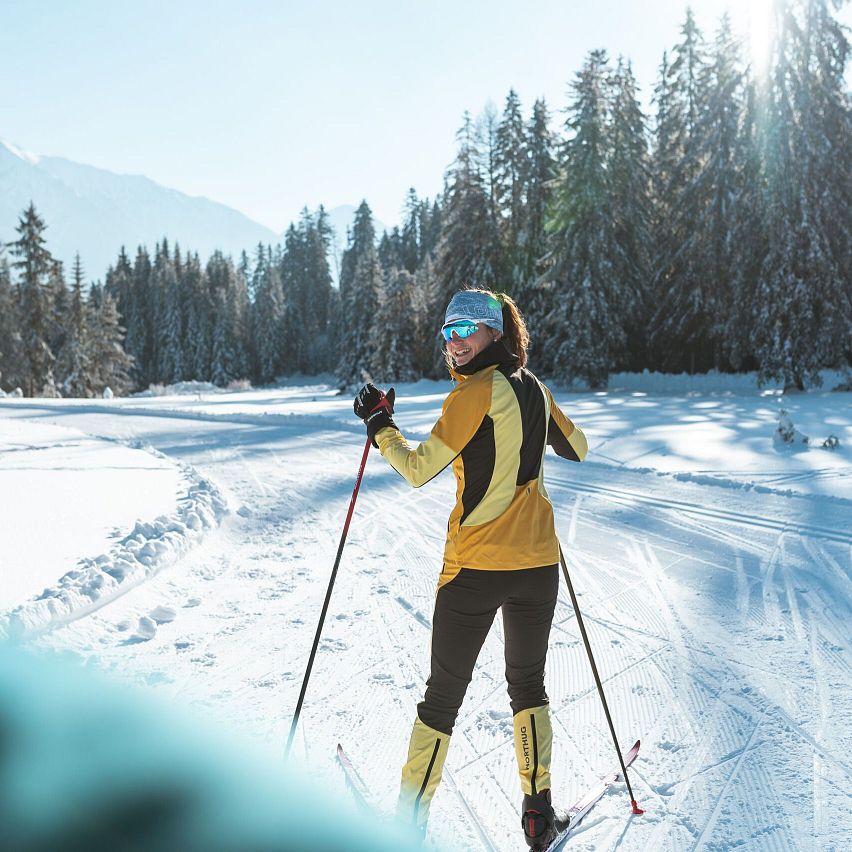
710,234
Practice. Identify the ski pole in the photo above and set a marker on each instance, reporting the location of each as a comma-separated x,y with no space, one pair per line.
636,808
327,600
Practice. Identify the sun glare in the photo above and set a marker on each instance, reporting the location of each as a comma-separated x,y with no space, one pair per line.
758,31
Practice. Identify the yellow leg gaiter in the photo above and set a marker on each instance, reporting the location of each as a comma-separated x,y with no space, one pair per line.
421,774
533,741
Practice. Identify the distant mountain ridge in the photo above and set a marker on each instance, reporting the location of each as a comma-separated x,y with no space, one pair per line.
95,212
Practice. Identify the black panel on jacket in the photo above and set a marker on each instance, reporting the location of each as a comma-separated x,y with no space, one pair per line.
560,443
531,403
478,458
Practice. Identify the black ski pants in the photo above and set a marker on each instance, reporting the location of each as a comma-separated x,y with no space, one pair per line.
464,612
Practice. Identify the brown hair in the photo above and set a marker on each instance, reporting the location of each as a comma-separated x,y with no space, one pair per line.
514,328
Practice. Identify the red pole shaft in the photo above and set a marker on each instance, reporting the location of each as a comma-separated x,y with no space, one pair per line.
327,600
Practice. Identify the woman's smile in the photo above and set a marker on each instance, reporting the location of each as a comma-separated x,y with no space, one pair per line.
465,349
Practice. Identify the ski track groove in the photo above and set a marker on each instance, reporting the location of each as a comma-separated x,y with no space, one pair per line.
629,498
714,815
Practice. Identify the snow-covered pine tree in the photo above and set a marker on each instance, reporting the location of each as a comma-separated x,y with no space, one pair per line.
393,340
360,280
244,286
803,316
389,249
629,171
584,331
74,371
58,298
268,309
169,326
316,292
10,328
541,171
110,364
139,319
295,329
426,321
683,304
410,242
748,237
511,164
34,263
431,224
535,297
227,361
131,298
197,299
469,251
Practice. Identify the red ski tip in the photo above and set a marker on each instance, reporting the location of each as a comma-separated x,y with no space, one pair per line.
636,809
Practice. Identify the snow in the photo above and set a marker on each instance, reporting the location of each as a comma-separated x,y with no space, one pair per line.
20,152
713,563
66,496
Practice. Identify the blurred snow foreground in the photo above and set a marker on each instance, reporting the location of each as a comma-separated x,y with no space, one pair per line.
89,765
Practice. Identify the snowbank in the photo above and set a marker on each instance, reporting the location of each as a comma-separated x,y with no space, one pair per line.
150,547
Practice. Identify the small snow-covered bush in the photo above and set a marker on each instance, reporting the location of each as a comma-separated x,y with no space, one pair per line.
787,432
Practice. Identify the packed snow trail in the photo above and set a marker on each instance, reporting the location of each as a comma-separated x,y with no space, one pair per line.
718,616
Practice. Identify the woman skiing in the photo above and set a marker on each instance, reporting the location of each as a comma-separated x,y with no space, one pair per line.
501,550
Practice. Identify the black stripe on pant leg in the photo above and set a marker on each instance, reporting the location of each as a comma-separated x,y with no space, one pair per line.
535,754
426,779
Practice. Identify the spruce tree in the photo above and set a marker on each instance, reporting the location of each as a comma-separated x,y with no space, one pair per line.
198,342
110,364
585,327
629,175
541,171
360,280
228,360
683,304
268,310
34,263
748,236
410,241
74,360
510,187
169,331
393,352
10,328
469,253
58,299
803,306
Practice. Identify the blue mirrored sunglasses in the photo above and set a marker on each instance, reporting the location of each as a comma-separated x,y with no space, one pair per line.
462,328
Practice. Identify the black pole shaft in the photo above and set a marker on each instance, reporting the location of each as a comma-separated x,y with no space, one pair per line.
597,676
327,600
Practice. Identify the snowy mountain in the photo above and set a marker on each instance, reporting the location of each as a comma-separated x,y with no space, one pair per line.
95,211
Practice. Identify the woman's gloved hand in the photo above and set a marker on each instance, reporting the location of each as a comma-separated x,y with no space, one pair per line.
375,408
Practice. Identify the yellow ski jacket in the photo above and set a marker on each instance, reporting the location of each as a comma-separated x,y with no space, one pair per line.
494,428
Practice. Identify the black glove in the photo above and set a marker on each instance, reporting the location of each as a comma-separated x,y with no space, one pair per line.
375,408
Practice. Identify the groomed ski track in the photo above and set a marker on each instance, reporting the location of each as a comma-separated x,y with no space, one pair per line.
719,618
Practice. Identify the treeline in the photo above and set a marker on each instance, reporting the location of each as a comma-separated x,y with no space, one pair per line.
56,340
715,235
264,317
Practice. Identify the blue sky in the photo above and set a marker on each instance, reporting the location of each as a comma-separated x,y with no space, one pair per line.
270,106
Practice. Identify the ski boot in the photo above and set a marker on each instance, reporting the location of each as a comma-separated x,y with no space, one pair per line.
541,823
